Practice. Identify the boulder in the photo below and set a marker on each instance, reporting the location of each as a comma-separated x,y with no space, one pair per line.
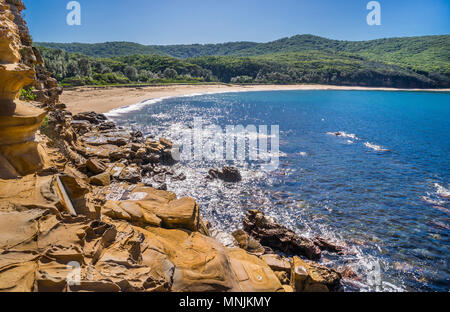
227,174
271,234
230,174
92,117
131,174
158,211
102,179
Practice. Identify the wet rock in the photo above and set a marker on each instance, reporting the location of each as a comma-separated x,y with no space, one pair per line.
312,277
160,178
152,158
130,174
271,234
116,170
109,125
166,157
92,117
349,273
141,153
137,137
166,143
228,174
179,177
329,246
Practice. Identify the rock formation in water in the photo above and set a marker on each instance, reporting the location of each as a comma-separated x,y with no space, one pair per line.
19,120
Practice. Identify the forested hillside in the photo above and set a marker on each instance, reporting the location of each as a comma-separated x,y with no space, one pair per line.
420,62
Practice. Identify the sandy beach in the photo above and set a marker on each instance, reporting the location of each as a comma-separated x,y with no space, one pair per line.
105,99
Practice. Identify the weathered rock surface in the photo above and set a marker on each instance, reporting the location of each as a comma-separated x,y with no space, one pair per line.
278,237
19,154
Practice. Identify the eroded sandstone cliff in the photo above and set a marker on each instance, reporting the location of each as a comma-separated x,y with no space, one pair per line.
19,120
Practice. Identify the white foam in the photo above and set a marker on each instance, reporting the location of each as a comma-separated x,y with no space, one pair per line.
344,134
432,201
442,191
131,108
134,107
375,147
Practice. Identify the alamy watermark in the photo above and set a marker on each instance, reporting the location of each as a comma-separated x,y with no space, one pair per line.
74,276
234,143
374,17
74,16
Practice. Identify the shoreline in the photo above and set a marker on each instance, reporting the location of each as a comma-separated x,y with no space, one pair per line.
107,99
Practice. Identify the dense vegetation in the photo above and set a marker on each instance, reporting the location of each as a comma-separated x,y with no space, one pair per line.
76,69
396,62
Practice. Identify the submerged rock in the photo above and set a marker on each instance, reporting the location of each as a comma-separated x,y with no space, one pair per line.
271,234
227,174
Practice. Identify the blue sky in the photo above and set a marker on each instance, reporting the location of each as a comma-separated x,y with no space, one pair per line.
213,21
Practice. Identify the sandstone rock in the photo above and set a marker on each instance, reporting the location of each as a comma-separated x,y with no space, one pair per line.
131,174
28,192
253,274
201,263
278,237
102,179
17,271
77,190
95,166
18,120
312,277
156,210
276,263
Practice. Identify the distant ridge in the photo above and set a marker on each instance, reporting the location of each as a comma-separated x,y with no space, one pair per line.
405,62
